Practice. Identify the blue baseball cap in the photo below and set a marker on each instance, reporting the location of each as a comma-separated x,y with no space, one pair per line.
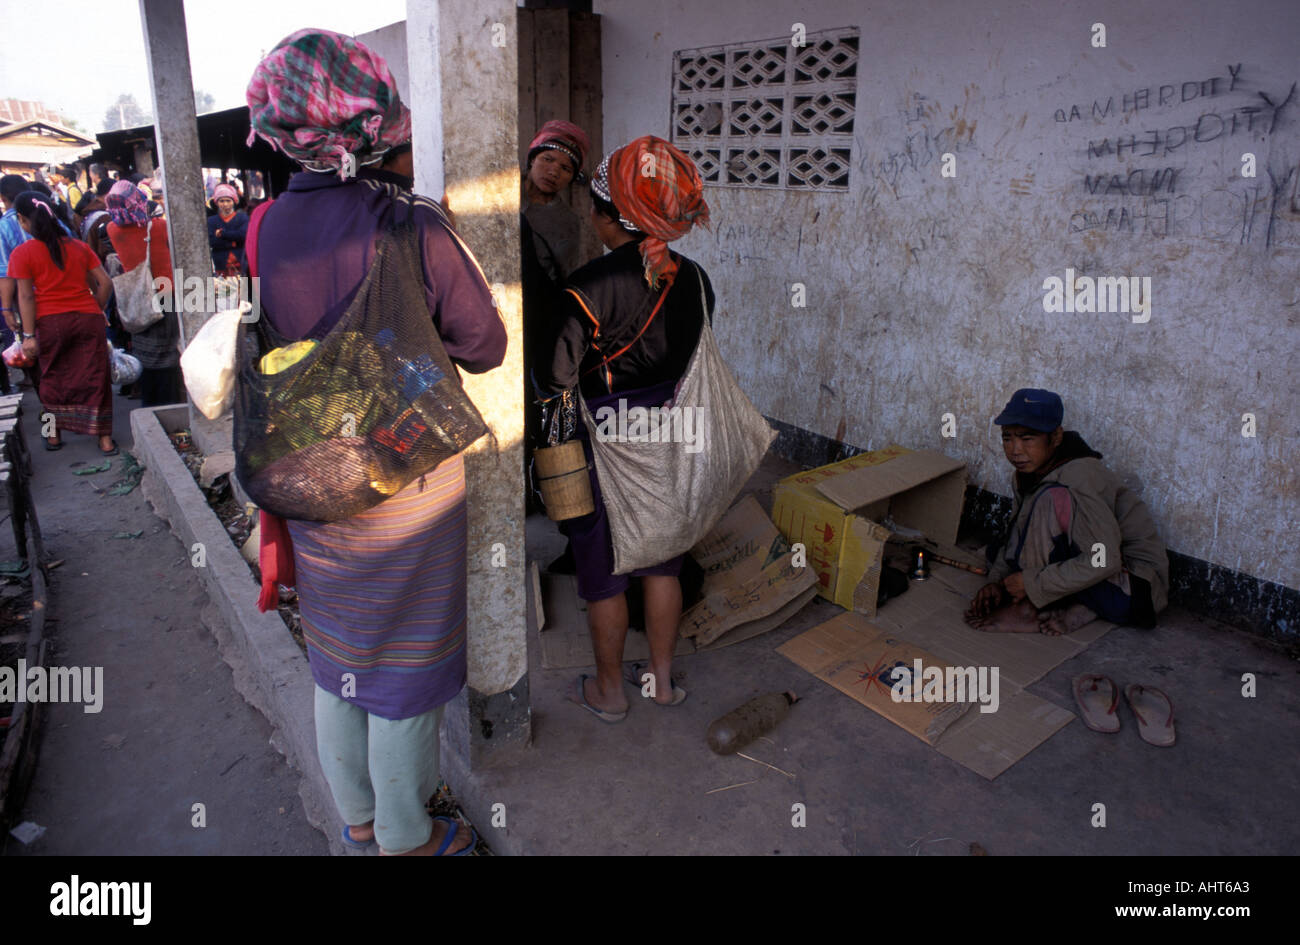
1032,407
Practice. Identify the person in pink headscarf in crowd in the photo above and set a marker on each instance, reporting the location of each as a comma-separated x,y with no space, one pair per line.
227,229
135,231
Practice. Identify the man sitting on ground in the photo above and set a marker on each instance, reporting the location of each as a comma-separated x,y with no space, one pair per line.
1081,544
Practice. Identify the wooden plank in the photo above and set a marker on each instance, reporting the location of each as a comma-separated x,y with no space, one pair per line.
585,110
23,718
551,52
526,31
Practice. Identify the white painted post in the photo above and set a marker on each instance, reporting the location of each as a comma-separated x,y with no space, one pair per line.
464,104
177,131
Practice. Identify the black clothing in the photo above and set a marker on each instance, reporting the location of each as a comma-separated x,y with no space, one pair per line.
614,289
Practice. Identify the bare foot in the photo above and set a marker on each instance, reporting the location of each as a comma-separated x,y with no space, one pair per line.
1020,617
1064,619
596,697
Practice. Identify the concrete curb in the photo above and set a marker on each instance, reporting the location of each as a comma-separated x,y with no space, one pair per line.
270,671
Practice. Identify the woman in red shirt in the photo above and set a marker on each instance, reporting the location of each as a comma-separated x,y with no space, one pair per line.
62,290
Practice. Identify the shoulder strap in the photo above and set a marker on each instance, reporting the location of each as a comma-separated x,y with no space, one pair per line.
704,299
250,240
605,363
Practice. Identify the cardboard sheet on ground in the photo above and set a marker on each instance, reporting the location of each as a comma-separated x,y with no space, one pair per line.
933,618
929,617
859,659
749,579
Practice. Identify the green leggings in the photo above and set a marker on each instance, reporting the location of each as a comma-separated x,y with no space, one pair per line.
379,769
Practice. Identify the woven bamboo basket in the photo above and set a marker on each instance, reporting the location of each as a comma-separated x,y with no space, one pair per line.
562,478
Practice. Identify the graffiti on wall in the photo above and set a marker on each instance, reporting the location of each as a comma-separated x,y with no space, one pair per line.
1213,158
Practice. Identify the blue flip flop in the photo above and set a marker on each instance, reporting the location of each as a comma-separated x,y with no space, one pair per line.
355,844
452,827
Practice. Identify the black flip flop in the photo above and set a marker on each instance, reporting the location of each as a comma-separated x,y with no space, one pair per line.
579,697
113,452
632,675
53,446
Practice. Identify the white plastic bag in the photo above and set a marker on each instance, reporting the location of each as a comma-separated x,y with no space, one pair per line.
14,357
208,363
136,307
124,368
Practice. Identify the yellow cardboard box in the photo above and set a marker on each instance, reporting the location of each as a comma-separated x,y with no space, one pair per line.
835,513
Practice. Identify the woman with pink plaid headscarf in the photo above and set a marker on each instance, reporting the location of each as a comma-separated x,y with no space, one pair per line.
382,594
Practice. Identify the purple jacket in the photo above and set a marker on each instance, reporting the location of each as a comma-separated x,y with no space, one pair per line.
317,242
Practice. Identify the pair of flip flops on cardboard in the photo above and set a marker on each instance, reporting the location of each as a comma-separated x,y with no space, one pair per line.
1098,699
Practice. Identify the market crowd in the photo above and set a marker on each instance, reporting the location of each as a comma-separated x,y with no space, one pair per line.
65,233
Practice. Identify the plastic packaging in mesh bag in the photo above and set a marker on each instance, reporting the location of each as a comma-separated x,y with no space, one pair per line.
374,405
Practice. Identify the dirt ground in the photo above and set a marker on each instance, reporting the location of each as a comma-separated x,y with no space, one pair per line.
173,732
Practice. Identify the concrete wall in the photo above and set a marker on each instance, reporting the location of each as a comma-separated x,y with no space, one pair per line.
925,294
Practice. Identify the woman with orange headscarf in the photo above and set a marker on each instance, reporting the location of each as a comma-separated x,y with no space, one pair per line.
626,329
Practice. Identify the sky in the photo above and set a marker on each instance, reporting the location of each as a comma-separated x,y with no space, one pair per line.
101,54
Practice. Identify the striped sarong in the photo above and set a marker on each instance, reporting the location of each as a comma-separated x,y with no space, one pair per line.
75,384
382,597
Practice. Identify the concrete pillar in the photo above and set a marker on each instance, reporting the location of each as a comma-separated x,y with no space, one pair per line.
462,62
177,131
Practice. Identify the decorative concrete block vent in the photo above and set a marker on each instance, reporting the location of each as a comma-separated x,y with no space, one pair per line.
769,114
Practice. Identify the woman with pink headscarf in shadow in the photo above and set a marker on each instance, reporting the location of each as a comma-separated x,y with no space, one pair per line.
550,249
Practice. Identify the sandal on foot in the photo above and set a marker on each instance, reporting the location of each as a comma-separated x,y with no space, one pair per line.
580,698
355,844
452,828
1149,705
1095,706
53,446
632,674
113,452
